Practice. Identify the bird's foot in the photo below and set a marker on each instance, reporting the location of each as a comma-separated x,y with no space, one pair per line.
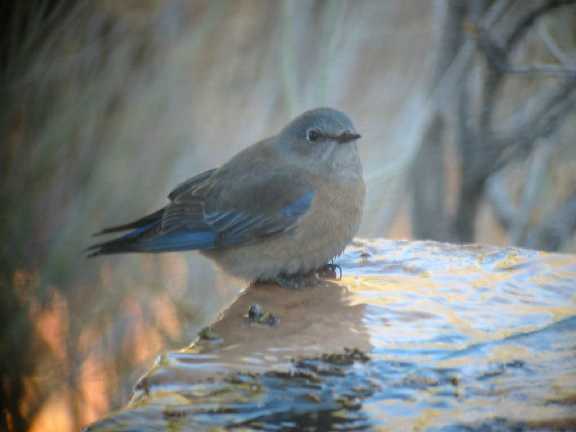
297,281
330,271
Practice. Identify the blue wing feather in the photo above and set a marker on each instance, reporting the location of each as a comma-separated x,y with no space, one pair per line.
297,208
208,231
236,227
182,239
136,232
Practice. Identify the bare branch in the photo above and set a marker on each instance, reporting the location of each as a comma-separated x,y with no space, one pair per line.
504,210
470,112
497,58
553,47
561,226
551,111
550,235
495,12
532,193
538,69
428,182
455,54
526,23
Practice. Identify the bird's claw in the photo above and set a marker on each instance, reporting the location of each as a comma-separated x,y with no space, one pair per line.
303,280
297,281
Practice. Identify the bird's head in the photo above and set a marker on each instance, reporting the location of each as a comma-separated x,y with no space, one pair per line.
322,137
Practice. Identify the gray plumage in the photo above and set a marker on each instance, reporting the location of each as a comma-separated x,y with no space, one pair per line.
281,208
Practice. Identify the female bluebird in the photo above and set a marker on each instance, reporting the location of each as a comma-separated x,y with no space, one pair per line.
277,211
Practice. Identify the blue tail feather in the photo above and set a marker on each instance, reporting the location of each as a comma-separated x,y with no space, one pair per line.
137,240
181,239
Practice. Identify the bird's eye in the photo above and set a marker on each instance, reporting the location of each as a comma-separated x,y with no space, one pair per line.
313,135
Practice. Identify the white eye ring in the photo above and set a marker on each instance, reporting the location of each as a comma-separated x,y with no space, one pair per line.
313,135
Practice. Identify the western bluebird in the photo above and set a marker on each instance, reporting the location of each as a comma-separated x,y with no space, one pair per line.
277,211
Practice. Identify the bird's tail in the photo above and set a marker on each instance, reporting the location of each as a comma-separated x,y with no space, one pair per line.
152,234
130,242
140,223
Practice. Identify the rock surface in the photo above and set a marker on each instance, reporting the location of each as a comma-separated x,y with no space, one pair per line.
415,336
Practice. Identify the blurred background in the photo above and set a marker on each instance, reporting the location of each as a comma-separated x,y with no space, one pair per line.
466,111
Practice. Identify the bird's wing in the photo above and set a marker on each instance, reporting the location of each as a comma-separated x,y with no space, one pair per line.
190,184
249,198
240,210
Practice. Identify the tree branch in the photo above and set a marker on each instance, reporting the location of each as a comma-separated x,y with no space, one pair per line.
553,233
553,47
529,19
505,211
553,109
497,58
428,183
428,209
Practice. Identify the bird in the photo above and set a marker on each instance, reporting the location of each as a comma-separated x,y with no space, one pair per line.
278,211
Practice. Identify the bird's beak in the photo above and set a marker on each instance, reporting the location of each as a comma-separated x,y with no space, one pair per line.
346,137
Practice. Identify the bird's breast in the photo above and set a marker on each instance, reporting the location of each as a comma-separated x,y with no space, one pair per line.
333,219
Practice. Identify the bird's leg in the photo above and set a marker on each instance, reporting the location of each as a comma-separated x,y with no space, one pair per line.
297,280
330,270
